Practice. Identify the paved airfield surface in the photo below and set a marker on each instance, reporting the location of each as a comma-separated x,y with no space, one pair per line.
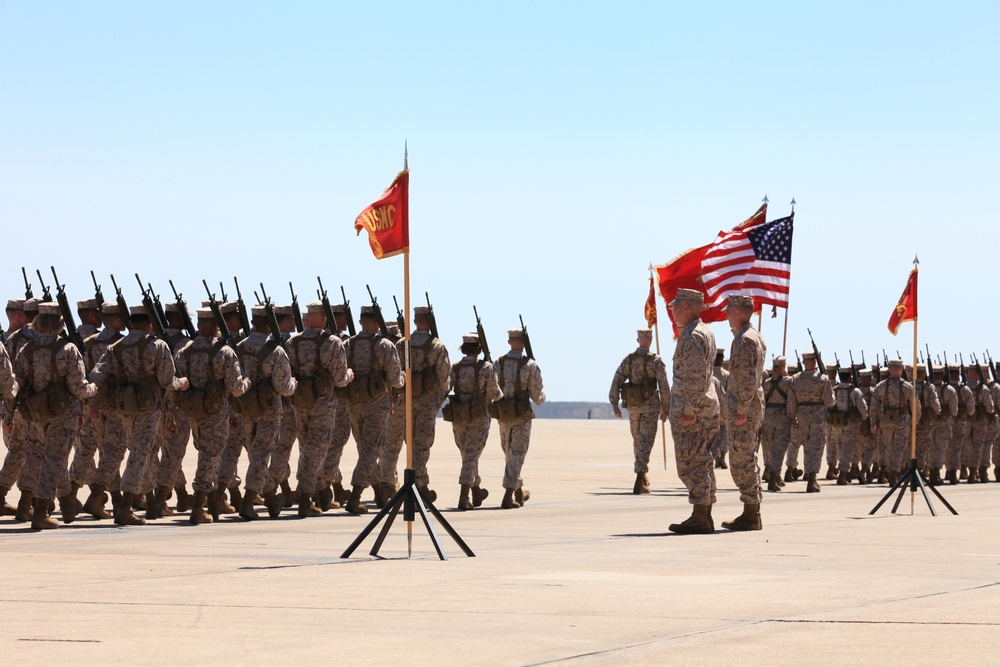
585,573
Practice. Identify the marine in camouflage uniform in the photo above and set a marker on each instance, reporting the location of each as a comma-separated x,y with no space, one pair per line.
810,395
960,431
745,413
866,450
229,478
49,370
395,433
319,364
930,413
81,470
995,389
943,425
475,386
16,429
265,363
981,425
520,381
214,373
640,383
777,427
278,468
142,367
175,430
375,363
332,475
832,439
694,410
890,417
845,419
720,441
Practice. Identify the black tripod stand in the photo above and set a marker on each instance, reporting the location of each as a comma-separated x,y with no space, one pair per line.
410,499
913,480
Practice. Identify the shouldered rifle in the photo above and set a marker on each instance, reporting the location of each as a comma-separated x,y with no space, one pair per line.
272,319
242,308
798,360
98,294
527,340
855,380
819,359
67,313
993,368
28,294
904,374
222,292
46,294
431,319
159,326
120,300
836,368
482,336
947,369
296,312
930,365
331,320
961,368
182,310
220,319
377,309
400,319
347,313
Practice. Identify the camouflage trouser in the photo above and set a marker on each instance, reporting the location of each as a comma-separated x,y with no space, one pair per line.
850,453
425,410
368,423
153,460
388,458
796,441
111,441
262,434
210,437
996,446
278,468
925,441
894,439
940,437
470,438
695,465
17,450
774,435
867,444
341,434
743,459
141,433
228,464
834,443
34,458
720,442
175,445
956,447
58,436
315,432
643,425
812,434
81,470
979,454
515,436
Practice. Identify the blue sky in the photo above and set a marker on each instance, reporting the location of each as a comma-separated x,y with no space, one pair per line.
556,150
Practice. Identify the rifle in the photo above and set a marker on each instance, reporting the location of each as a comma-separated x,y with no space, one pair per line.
836,368
947,369
272,319
347,313
182,310
46,294
400,319
120,300
98,294
159,326
331,320
930,365
67,313
961,368
222,292
220,319
482,336
854,370
527,340
900,357
434,325
377,309
819,359
28,294
296,313
242,308
993,368
798,361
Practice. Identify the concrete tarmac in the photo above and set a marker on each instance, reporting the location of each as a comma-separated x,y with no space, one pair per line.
586,573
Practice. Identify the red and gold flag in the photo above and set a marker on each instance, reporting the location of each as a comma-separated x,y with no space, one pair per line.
387,220
683,271
651,305
906,309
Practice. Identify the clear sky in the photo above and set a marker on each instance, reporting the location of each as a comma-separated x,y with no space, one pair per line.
556,149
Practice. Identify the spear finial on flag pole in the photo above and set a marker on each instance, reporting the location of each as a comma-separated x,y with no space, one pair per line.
406,156
793,205
765,199
915,260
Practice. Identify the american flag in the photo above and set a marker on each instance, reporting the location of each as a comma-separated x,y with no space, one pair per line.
753,259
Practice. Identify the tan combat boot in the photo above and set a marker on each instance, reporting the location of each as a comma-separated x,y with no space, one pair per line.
521,496
984,475
306,507
124,515
637,487
428,494
508,502
274,502
247,511
812,486
772,483
24,506
963,473
749,520
221,506
162,496
199,514
354,505
340,494
40,519
831,473
94,506
70,507
183,499
383,492
5,508
463,498
844,478
324,498
973,477
286,492
952,476
644,488
479,494
699,523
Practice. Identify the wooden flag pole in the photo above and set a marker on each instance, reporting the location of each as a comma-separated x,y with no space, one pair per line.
408,391
913,401
663,426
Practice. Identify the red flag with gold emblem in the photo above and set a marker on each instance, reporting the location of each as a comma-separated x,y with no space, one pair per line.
387,220
906,309
651,305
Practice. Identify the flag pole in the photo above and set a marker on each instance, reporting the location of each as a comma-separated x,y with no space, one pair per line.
663,426
784,338
408,389
913,401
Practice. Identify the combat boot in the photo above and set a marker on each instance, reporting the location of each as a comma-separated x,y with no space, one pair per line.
463,498
324,498
383,492
788,475
973,477
162,496
843,479
94,505
883,476
428,494
951,476
286,493
508,502
124,515
893,477
235,498
749,520
831,473
996,473
212,504
964,473
199,514
721,462
70,507
812,486
521,495
984,475
935,479
772,484
152,507
274,502
221,506
479,494
856,474
40,519
183,499
5,508
24,506
637,487
116,500
247,511
340,494
645,483
699,523
354,505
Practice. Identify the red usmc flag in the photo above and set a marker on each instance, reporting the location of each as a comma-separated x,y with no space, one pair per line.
651,305
906,309
388,219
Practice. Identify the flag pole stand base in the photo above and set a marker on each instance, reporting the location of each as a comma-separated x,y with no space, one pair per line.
410,500
913,480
